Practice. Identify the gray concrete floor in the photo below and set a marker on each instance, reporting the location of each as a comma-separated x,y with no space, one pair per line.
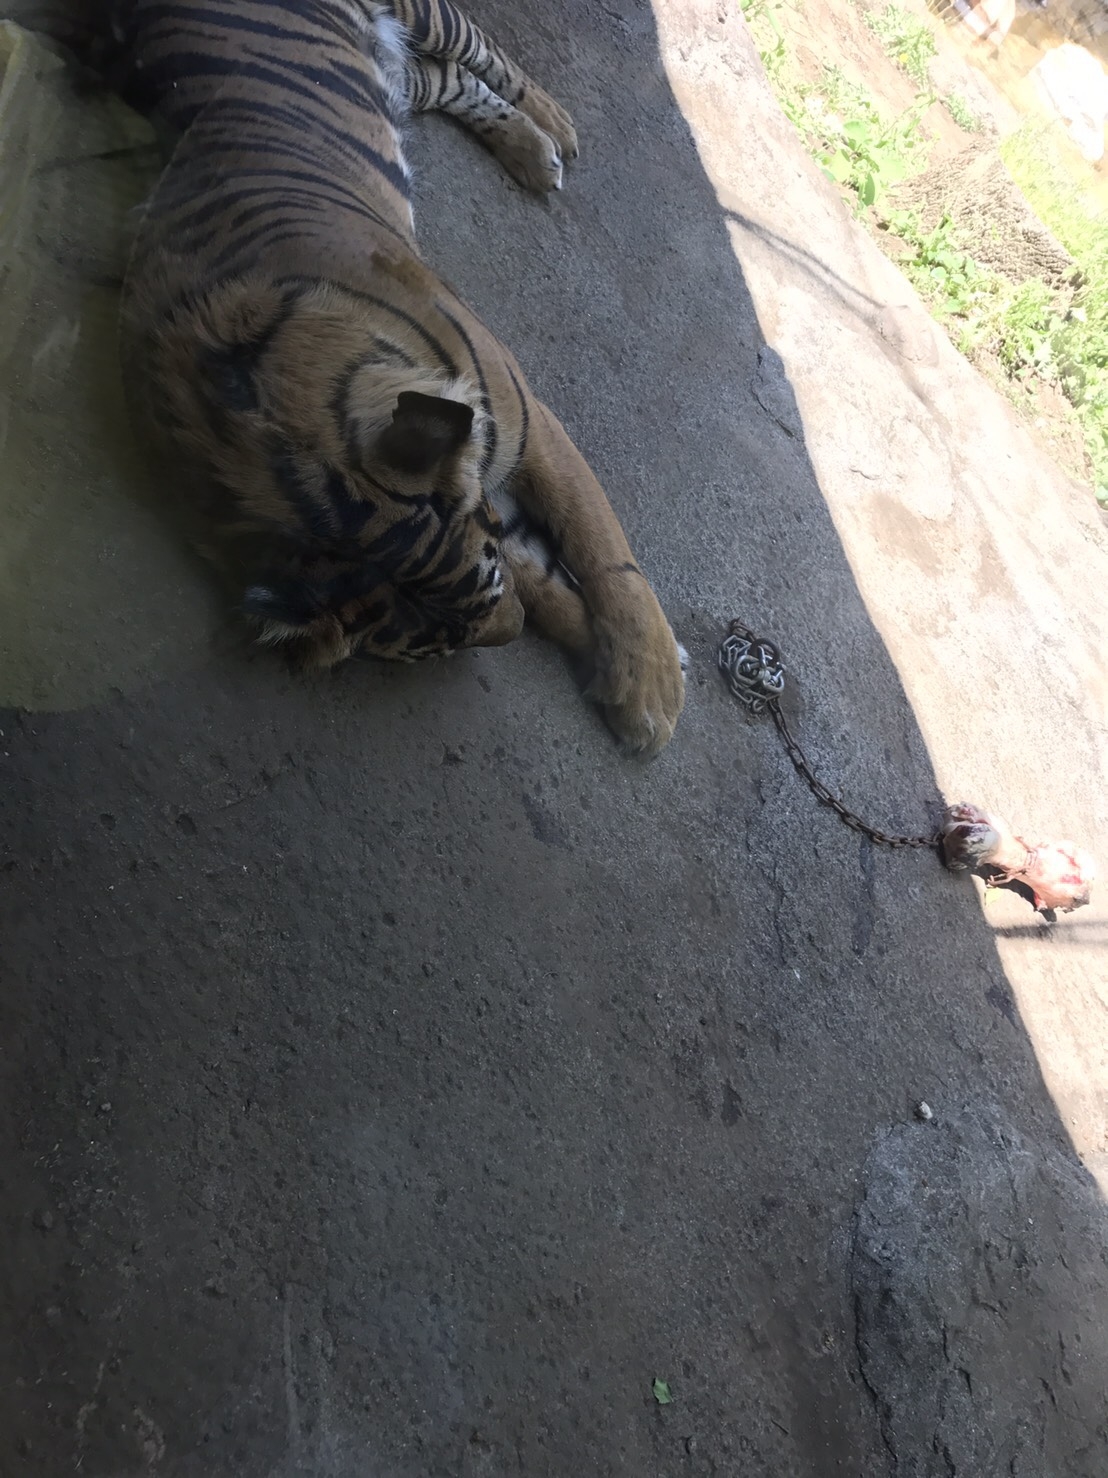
398,1080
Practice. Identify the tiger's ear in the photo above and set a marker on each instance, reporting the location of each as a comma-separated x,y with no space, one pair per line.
292,614
424,430
284,608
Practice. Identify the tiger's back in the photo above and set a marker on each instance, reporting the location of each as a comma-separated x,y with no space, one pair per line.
275,310
287,118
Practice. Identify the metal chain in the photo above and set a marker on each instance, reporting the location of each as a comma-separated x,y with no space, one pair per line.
756,676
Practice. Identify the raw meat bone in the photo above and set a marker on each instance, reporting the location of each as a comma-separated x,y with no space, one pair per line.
1059,875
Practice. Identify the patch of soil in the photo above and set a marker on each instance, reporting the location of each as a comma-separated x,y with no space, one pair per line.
834,33
994,220
1045,409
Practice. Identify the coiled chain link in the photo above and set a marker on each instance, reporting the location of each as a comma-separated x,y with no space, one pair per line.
756,676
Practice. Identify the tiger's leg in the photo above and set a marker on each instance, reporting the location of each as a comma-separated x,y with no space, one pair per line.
557,610
438,29
639,682
529,155
551,600
554,608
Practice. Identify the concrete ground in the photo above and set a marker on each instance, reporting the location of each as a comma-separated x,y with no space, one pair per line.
398,1081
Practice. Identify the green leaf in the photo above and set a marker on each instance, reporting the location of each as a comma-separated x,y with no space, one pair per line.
900,221
838,166
661,1392
857,131
867,190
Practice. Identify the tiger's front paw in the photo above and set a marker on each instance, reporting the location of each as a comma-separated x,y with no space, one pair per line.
552,119
640,680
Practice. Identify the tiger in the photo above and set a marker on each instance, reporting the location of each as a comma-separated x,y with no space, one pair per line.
358,455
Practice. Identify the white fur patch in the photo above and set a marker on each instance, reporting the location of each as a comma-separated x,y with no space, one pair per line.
273,633
528,543
386,43
390,52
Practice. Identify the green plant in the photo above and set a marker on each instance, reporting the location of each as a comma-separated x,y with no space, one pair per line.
845,97
770,39
908,40
939,267
1026,327
1079,338
869,154
962,113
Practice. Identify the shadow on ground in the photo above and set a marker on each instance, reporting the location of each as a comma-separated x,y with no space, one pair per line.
399,1081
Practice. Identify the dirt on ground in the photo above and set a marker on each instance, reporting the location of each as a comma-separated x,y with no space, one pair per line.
997,90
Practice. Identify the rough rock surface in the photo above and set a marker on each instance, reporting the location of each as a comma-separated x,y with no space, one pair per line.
958,1238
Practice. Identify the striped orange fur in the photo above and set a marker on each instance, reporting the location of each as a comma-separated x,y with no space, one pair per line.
358,453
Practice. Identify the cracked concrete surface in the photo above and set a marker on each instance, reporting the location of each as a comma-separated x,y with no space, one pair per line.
958,1237
398,1081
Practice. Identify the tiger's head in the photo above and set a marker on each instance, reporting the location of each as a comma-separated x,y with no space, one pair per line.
343,482
402,557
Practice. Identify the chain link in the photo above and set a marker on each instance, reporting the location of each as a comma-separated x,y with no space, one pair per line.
756,676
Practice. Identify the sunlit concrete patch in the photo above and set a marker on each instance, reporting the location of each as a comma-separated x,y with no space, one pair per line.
96,592
982,565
